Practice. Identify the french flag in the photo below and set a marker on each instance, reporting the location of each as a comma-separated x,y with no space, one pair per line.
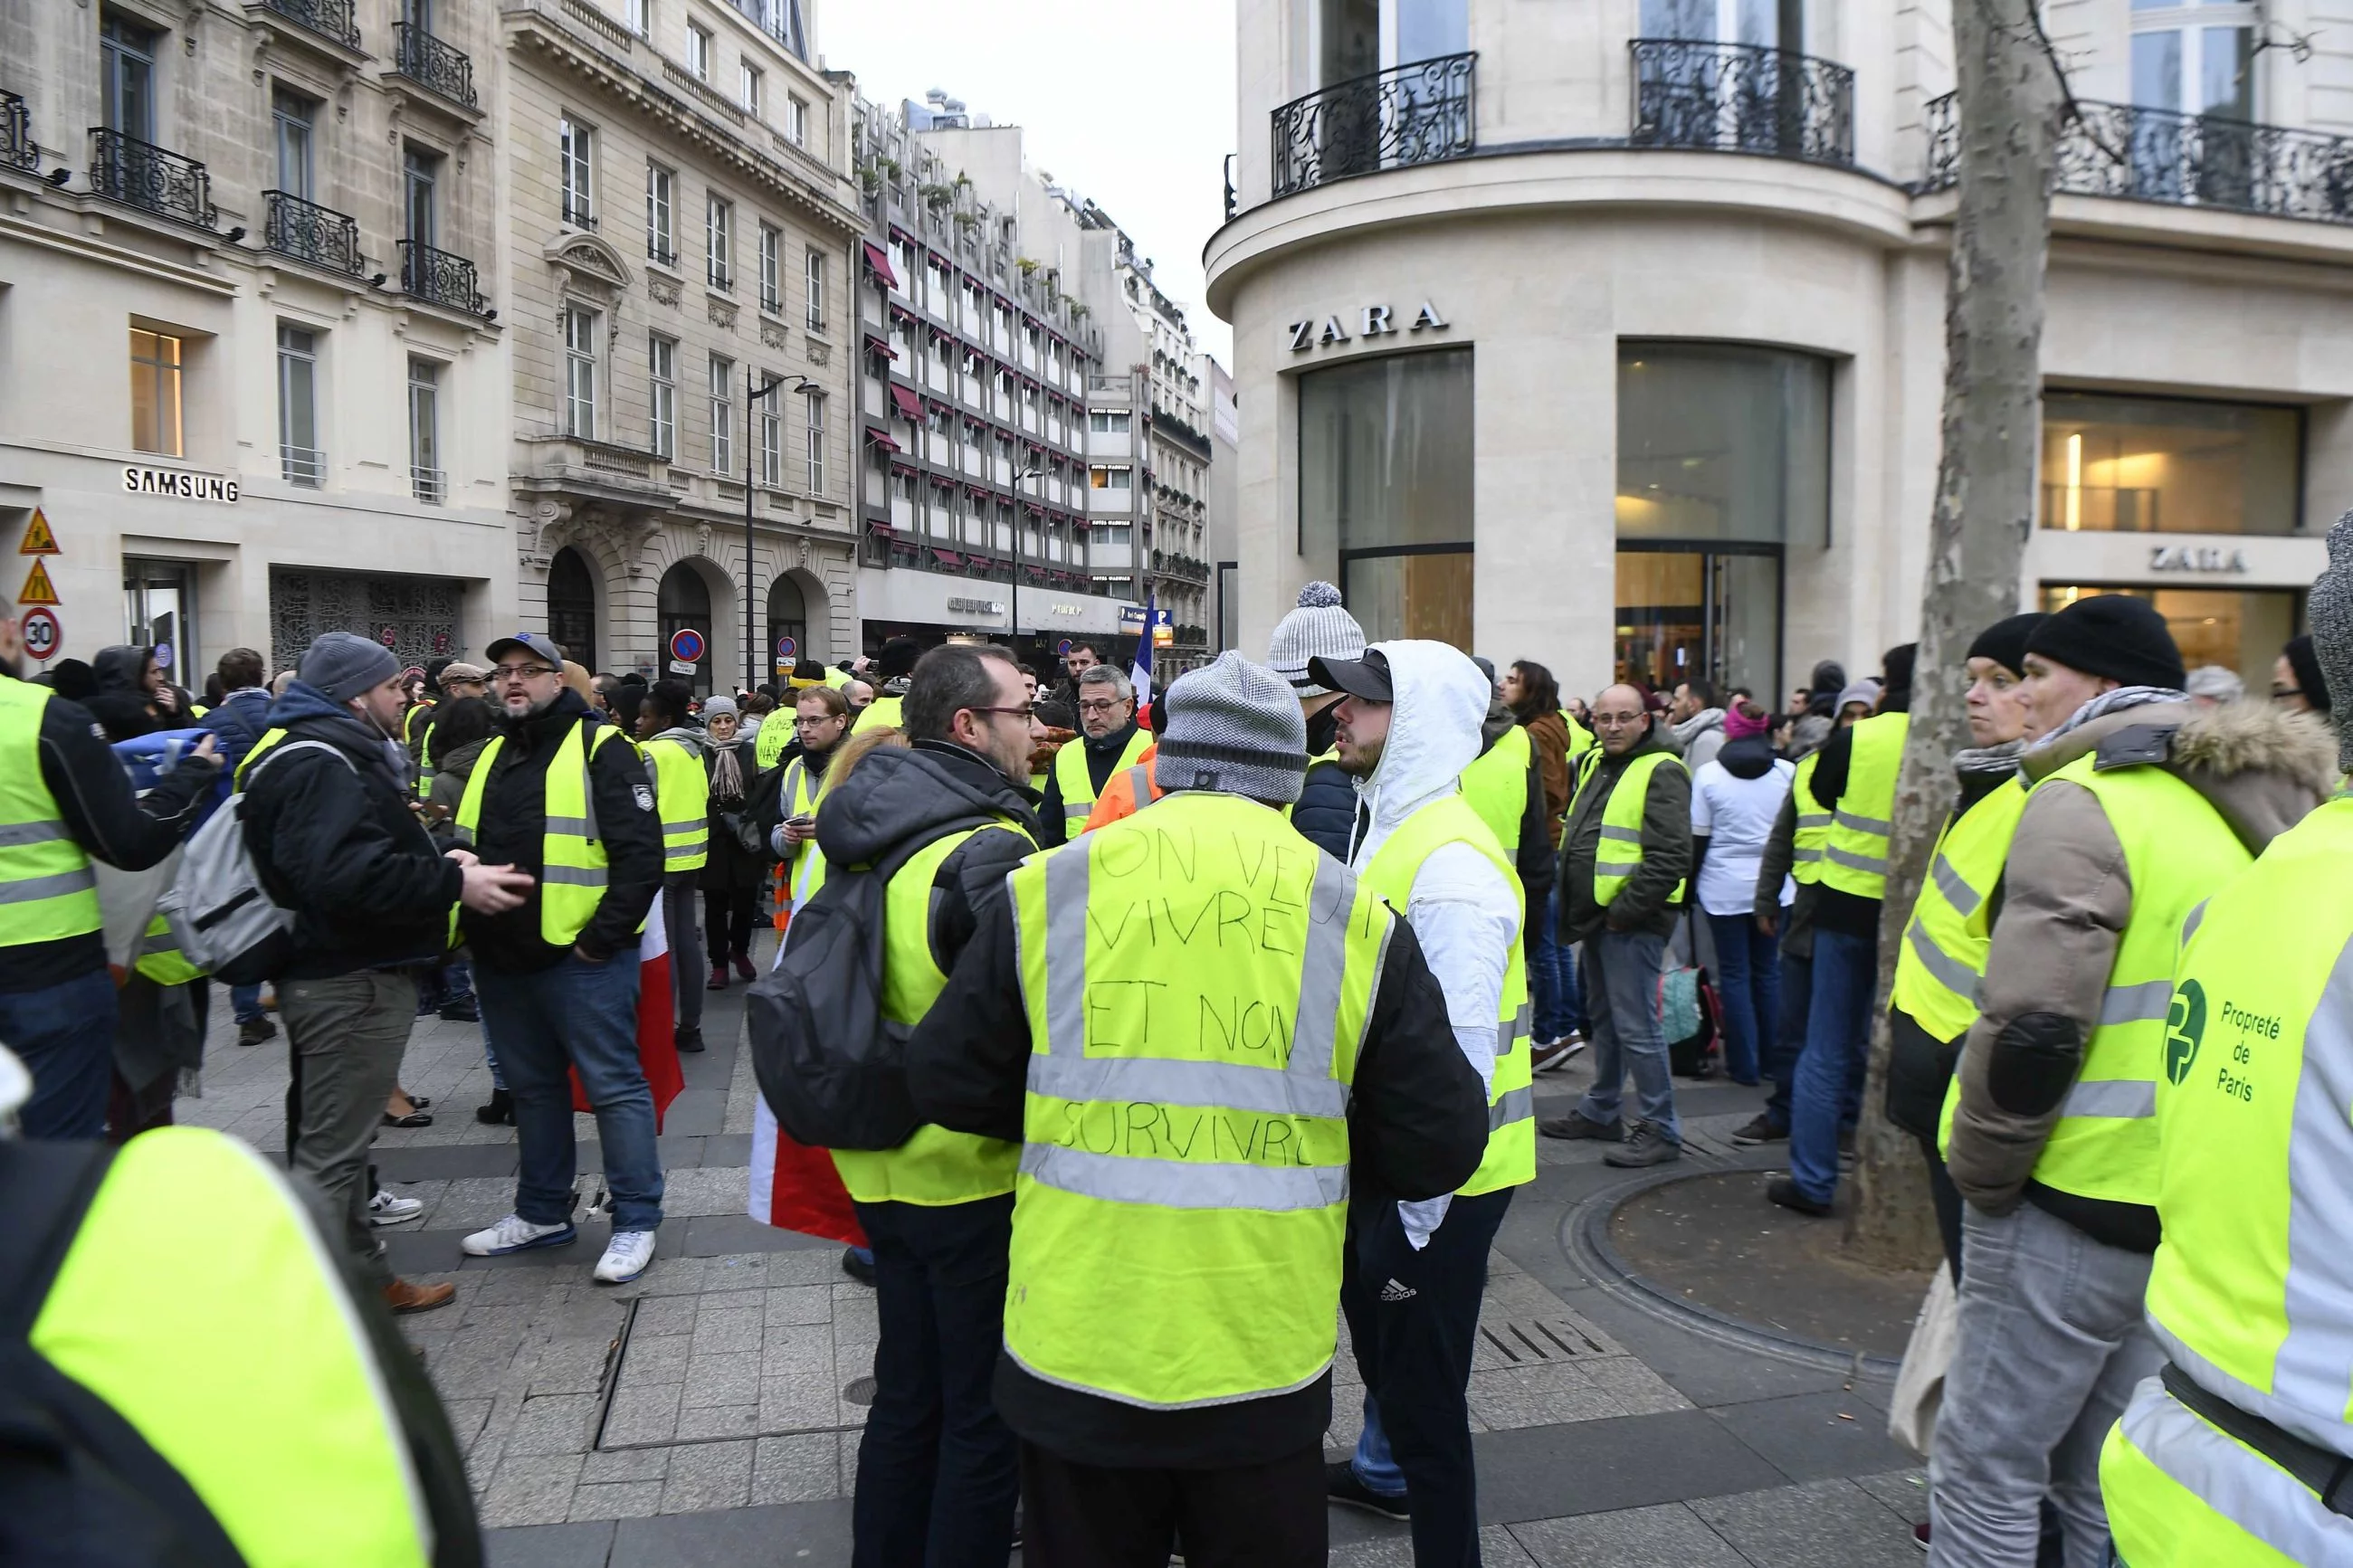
1140,676
793,1186
657,1026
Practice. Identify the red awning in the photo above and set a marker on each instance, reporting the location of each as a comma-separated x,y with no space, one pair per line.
948,558
880,345
882,438
905,399
907,469
878,263
883,527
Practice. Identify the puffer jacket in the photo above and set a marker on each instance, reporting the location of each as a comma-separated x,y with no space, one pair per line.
1326,814
2066,901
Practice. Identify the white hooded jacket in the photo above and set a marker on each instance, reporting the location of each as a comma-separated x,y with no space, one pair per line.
1463,911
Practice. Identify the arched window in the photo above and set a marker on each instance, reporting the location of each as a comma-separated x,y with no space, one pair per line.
572,607
788,617
684,600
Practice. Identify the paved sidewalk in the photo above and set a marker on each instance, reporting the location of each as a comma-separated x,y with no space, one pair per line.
711,1411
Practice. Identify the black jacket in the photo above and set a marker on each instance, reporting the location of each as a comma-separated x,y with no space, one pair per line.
128,831
1102,756
728,867
514,823
239,722
121,703
1642,904
337,842
1326,812
1417,1128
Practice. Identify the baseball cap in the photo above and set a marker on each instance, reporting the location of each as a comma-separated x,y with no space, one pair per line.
1367,678
533,643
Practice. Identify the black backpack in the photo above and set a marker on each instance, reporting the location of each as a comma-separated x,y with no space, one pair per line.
831,1068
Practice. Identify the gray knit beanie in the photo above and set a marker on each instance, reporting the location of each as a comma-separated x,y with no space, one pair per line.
1319,629
2330,609
342,665
1234,727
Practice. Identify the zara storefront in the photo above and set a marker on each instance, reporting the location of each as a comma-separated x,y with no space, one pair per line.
1617,343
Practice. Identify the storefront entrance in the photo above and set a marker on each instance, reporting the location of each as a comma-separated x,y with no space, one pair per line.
1716,614
159,611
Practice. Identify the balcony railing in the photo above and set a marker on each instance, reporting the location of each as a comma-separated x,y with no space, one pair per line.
2182,160
308,232
142,174
17,148
439,278
304,465
1742,98
428,62
430,486
331,19
577,214
1418,114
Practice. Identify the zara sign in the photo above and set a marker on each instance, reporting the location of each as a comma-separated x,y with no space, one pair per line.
1371,321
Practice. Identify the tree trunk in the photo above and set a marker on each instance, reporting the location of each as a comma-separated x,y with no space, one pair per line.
2007,102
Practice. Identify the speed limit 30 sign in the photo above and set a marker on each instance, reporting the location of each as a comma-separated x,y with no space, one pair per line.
42,634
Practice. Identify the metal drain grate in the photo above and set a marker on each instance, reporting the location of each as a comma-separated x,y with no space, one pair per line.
1534,1340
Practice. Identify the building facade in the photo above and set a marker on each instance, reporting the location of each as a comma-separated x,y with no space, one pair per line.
251,356
1612,335
681,232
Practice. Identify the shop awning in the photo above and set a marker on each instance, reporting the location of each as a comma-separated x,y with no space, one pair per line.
908,404
948,558
880,345
878,263
882,438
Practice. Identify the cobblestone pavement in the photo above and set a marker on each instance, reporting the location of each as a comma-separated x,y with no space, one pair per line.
710,1412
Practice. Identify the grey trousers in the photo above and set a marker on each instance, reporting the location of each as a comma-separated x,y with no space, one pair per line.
349,1032
681,900
2051,1342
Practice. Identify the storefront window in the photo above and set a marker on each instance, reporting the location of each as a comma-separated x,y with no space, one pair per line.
2147,464
1385,485
2240,629
160,612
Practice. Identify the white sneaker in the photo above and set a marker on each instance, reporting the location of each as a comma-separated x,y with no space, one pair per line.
386,1209
516,1234
627,1256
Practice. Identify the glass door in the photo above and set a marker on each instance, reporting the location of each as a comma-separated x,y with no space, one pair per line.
1716,614
160,612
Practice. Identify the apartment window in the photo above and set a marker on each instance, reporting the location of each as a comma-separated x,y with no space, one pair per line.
2202,63
1111,479
639,16
420,172
698,51
1105,423
813,273
572,141
2163,465
661,239
719,235
290,116
751,93
155,393
426,479
772,441
297,407
772,265
796,116
816,453
723,414
127,59
580,373
661,370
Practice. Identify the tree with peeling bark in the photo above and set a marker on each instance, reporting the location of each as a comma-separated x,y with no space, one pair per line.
2010,99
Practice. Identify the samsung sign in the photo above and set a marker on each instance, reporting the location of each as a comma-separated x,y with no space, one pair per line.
181,486
1371,321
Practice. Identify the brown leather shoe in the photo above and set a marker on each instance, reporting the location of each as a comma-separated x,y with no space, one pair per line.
403,1297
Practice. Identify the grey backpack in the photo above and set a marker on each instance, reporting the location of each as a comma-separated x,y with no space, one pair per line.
224,919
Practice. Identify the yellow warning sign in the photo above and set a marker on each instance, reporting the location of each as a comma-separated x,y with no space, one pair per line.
36,589
38,540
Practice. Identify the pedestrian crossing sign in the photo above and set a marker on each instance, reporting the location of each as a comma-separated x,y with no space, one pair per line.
38,540
36,589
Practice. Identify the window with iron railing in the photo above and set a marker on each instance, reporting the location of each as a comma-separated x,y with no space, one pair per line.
662,242
575,146
298,412
427,482
719,239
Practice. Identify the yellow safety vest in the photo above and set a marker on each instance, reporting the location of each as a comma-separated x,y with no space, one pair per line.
882,711
425,763
1941,964
798,796
1198,980
1580,739
1496,786
573,865
1619,855
776,734
2248,1292
47,891
1078,784
1854,858
1511,1157
160,958
936,1167
1813,824
265,1393
683,797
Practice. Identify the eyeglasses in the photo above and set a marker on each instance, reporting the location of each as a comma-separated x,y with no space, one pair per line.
519,671
802,722
1111,706
1026,711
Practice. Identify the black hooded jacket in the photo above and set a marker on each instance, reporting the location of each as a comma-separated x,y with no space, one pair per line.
121,701
1325,814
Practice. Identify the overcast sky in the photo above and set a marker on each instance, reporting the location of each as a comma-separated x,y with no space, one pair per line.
1132,105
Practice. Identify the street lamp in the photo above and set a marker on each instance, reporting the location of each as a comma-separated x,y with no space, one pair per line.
1016,605
752,396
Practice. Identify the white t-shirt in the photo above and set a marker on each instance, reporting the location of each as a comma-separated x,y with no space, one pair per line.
1738,817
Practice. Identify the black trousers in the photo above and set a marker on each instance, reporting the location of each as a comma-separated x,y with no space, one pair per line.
727,922
1254,1516
1413,1318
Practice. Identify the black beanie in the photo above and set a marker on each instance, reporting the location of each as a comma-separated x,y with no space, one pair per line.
898,658
2115,636
2004,642
2305,661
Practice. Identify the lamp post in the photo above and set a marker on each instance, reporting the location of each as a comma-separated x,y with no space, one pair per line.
1026,474
752,396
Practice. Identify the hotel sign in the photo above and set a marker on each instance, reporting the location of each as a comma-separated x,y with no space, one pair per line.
178,484
1370,321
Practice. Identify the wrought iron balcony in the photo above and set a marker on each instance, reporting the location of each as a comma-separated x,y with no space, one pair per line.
142,174
577,214
1742,98
17,148
440,278
2182,160
308,232
1418,113
428,62
331,19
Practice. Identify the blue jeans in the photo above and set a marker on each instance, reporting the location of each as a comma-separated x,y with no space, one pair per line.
1621,987
584,1015
1838,1031
65,1036
1788,1043
1552,977
1748,979
245,1003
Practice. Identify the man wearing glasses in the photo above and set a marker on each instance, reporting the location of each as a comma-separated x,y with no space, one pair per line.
1109,740
821,719
563,795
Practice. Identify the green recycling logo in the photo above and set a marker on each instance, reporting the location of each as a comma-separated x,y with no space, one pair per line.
2185,1027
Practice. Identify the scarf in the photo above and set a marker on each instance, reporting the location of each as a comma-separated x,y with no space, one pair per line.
2107,703
726,774
2001,759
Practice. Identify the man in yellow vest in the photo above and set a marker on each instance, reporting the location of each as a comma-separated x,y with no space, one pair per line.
1109,741
1203,1035
2241,1452
891,669
2143,806
673,747
1623,858
564,795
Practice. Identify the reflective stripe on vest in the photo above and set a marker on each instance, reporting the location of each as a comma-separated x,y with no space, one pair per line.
265,1394
683,798
1854,856
572,867
1941,967
47,891
1813,824
1078,784
424,764
1197,981
1511,1157
1619,855
1496,786
160,958
936,1167
2179,1493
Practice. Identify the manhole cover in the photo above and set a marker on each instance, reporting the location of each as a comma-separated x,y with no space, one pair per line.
1536,1340
860,1390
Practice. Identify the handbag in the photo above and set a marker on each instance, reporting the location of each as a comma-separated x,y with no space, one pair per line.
1928,1356
1691,1020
